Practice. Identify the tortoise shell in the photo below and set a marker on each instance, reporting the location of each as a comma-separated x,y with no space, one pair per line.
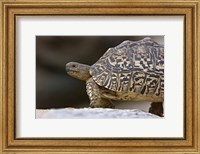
132,66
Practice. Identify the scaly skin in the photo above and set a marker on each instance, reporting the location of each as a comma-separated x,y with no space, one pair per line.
94,95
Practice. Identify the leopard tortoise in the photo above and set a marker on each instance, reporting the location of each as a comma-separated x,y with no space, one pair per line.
133,71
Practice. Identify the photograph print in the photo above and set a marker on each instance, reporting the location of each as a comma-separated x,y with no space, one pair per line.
87,77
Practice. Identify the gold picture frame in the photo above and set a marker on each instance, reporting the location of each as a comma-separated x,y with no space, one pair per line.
11,8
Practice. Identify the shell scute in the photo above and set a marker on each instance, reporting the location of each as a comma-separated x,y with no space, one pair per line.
132,66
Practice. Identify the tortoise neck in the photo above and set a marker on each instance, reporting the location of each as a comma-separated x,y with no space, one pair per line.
84,73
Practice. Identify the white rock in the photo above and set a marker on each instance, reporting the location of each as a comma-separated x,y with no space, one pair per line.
92,113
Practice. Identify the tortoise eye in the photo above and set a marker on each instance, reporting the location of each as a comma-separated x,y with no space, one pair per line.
73,65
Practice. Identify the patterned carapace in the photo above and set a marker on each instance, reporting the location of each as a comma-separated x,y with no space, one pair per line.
132,66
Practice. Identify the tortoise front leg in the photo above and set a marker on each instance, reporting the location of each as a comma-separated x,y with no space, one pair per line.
96,100
156,108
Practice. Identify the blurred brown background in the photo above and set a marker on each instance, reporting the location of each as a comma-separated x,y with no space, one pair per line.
54,88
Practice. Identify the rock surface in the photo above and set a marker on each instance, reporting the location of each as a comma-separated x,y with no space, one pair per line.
92,113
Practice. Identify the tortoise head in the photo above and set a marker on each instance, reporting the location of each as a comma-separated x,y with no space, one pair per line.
78,71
